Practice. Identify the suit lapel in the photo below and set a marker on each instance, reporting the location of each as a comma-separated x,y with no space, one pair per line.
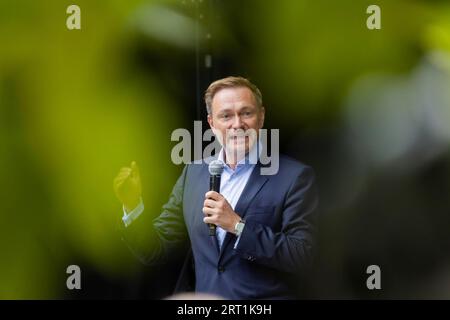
254,184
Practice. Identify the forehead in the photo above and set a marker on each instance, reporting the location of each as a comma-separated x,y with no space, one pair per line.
233,97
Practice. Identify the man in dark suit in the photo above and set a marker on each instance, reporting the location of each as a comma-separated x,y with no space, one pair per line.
265,223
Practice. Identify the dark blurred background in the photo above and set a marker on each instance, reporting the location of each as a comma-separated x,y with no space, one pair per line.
369,110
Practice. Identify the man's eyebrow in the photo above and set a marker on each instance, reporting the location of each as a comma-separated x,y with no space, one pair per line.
225,110
228,109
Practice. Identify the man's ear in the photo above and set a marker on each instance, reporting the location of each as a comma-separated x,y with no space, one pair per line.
210,121
216,133
263,113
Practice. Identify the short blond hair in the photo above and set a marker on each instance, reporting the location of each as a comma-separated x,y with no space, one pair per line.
230,82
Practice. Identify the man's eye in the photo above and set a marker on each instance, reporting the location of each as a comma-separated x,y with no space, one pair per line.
225,116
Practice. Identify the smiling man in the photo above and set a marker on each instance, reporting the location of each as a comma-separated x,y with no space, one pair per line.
237,118
265,223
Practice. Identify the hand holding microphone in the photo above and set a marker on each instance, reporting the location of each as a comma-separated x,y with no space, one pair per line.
215,169
216,208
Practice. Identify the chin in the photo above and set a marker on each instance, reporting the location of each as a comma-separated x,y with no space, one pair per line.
238,150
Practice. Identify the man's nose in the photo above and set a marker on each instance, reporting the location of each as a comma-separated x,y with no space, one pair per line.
237,123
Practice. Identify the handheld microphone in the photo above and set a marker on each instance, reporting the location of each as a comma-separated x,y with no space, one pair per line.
215,171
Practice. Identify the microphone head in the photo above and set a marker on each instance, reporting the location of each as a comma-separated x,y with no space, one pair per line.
216,167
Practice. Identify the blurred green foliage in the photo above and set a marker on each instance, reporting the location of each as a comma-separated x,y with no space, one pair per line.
70,117
73,109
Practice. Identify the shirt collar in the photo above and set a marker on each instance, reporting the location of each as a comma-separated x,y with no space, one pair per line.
250,159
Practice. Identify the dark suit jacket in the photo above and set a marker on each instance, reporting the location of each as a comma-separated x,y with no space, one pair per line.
277,241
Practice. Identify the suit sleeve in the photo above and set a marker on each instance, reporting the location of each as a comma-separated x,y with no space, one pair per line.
289,250
153,240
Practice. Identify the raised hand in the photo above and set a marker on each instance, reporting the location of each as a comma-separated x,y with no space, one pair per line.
127,186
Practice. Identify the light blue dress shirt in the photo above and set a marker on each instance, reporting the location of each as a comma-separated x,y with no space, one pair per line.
232,183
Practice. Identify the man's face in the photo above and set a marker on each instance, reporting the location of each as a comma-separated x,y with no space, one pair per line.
234,112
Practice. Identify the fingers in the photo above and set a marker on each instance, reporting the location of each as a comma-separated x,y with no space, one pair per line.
125,171
213,195
209,220
214,203
210,215
134,169
122,176
209,203
127,186
209,211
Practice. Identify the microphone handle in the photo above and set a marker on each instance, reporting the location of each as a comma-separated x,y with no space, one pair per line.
214,185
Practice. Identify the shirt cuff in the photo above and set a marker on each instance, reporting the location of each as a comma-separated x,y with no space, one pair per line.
134,214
